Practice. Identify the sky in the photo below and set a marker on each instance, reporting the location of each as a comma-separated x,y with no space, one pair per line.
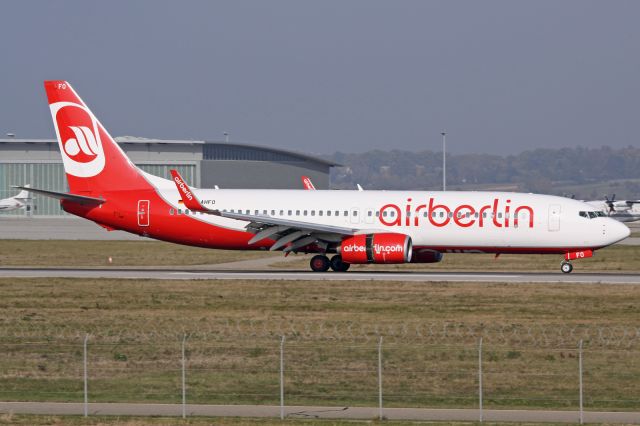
323,76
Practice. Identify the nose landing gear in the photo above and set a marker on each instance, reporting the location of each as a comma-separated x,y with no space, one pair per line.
566,266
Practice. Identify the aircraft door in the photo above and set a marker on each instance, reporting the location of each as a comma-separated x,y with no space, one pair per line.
554,217
143,212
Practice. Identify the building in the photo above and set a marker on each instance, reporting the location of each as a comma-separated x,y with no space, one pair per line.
203,164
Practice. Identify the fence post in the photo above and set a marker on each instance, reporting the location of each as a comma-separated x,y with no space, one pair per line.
184,378
86,387
282,378
580,373
380,414
480,378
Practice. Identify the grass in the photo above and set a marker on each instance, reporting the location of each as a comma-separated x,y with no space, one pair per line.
63,253
332,329
29,420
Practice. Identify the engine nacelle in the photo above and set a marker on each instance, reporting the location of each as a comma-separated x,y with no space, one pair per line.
426,256
376,248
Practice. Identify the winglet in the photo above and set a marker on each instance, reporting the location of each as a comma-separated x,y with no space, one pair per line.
306,182
188,197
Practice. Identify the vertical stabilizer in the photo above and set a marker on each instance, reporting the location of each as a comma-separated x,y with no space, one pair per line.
92,160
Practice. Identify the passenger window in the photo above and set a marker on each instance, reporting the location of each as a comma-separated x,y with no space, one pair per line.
179,211
500,215
408,214
441,214
425,214
313,212
256,212
186,212
337,213
346,213
377,213
450,214
248,211
297,212
290,212
384,214
171,212
264,212
328,212
281,212
320,212
305,213
484,215
476,215
273,212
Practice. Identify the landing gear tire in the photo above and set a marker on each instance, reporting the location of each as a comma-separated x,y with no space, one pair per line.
319,263
338,265
566,267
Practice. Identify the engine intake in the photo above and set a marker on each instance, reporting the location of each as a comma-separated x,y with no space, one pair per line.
376,248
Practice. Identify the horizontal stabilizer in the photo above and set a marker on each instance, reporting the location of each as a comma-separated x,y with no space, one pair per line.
81,199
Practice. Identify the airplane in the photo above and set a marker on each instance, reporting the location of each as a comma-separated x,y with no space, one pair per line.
354,227
19,201
621,210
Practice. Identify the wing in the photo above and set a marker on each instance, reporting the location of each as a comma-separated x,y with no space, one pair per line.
290,234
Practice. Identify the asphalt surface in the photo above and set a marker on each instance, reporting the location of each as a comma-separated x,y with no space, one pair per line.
134,273
125,409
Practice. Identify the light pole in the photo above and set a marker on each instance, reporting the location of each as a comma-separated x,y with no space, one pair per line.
226,137
444,160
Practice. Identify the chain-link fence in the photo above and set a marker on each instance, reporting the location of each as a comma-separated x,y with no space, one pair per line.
435,366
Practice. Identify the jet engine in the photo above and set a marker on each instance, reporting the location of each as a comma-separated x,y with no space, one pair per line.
376,248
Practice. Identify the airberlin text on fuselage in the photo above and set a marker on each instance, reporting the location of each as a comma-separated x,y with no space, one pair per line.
495,214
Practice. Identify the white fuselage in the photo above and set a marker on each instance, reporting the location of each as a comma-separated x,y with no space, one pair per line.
465,221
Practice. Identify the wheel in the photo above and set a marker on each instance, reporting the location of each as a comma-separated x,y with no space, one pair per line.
319,263
338,265
566,267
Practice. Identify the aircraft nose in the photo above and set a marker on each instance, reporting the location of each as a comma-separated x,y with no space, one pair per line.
617,231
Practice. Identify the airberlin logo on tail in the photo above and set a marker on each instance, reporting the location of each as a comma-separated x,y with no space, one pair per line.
79,139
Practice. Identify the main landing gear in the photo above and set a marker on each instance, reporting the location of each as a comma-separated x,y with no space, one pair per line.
321,263
566,266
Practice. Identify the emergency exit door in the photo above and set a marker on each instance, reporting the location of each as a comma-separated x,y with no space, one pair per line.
143,212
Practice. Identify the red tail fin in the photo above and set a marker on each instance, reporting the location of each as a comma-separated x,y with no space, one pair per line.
306,182
93,161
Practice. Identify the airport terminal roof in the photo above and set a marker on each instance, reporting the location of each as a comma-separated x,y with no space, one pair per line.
232,145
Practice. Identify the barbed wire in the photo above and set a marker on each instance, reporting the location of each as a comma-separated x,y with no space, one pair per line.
446,332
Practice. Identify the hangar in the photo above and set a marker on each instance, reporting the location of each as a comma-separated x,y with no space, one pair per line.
202,163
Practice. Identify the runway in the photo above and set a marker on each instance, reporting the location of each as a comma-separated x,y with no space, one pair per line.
183,274
306,412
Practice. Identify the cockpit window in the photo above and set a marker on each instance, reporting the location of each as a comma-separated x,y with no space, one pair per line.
592,214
